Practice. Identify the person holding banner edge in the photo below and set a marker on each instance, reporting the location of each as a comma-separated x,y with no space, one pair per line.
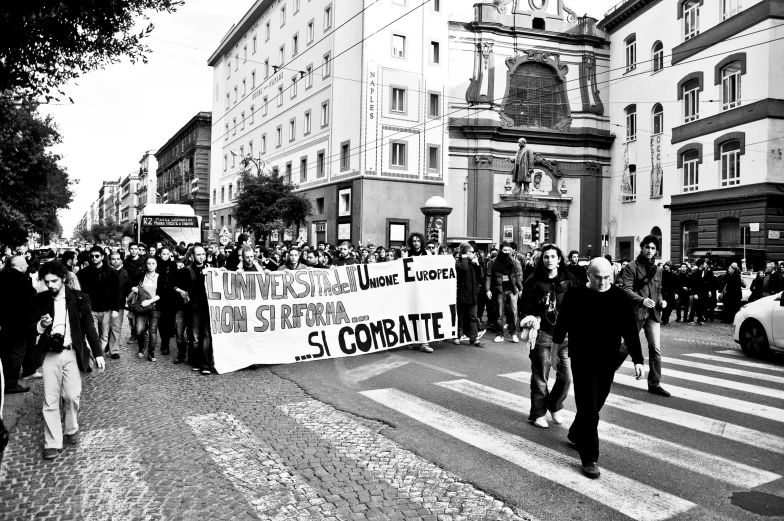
469,280
416,248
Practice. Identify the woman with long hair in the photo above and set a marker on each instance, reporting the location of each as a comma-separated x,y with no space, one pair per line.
166,305
147,295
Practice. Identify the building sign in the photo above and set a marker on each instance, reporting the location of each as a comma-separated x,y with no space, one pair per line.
508,232
754,227
344,231
774,234
657,176
371,108
170,221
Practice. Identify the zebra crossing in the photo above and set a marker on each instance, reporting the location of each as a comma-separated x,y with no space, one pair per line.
634,496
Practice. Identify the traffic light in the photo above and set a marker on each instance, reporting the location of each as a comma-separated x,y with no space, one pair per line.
544,232
745,234
535,231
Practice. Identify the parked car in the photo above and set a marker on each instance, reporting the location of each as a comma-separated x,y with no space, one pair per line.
759,326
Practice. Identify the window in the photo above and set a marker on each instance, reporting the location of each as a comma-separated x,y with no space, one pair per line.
236,61
434,105
538,23
225,163
730,86
244,54
296,6
233,160
250,149
435,53
398,100
264,106
691,100
631,122
292,129
398,46
263,144
344,202
730,8
229,219
281,55
294,45
242,151
235,94
221,221
280,95
288,172
228,67
293,88
255,46
252,114
398,156
658,119
283,16
691,171
325,114
307,123
319,205
234,126
311,33
320,164
303,169
227,132
730,163
326,67
214,196
345,156
266,68
231,192
658,56
223,195
308,77
691,19
631,53
242,121
228,98
633,183
253,80
327,17
536,97
436,6
433,155
267,32
729,233
278,136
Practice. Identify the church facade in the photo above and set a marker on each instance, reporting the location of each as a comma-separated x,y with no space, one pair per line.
528,69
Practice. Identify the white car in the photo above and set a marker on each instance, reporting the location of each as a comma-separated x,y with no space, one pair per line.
759,326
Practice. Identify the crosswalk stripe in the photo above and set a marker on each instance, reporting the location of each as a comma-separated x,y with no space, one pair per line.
733,352
632,498
725,370
729,431
697,461
430,366
367,371
261,475
719,382
747,363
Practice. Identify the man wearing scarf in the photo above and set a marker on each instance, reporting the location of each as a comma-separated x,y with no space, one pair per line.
504,282
642,282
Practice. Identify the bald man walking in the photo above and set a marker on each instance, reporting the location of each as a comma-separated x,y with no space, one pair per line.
595,316
18,312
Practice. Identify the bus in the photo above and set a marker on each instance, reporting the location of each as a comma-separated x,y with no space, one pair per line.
168,223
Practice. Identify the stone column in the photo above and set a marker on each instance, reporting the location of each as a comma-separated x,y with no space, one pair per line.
562,229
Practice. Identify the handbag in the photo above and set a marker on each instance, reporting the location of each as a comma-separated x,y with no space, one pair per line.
137,307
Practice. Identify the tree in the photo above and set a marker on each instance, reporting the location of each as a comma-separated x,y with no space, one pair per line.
47,43
35,187
267,203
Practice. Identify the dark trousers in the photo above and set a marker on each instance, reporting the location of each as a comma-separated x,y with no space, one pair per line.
731,307
480,308
12,353
467,320
30,364
682,305
697,311
166,325
591,388
667,311
199,323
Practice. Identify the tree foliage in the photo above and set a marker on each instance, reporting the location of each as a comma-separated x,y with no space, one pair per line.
109,232
47,43
34,186
267,203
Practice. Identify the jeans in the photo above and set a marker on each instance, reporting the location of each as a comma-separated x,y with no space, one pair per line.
146,327
61,381
543,357
506,303
103,323
12,352
591,388
199,324
115,332
653,336
466,320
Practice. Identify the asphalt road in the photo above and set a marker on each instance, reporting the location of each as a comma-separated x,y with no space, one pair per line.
714,450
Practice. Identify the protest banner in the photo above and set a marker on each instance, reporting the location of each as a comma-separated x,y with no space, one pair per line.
295,316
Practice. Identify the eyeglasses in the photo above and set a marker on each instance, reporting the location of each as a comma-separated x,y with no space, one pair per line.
431,247
96,256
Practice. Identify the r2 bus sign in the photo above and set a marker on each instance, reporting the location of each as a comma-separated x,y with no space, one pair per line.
170,221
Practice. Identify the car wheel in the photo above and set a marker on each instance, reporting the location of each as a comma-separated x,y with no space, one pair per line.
754,340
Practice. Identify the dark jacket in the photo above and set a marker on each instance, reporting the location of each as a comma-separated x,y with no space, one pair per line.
669,286
771,284
469,279
756,288
543,296
102,285
18,310
135,268
579,273
299,266
731,287
348,261
642,280
167,271
682,286
125,286
494,279
191,280
700,283
80,320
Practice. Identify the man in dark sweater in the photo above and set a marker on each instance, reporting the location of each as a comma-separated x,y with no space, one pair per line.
595,316
102,284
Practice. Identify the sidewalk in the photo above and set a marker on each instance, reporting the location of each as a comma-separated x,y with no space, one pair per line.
160,441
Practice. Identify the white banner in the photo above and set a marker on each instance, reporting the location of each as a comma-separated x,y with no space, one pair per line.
295,316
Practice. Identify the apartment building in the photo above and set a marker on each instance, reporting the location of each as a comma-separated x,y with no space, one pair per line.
128,198
345,108
147,186
107,205
698,108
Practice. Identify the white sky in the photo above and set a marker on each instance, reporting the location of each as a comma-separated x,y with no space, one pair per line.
121,111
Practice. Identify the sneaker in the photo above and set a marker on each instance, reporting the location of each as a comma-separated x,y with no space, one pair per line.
51,453
557,417
540,422
34,376
152,359
462,337
477,343
72,439
425,348
116,356
456,341
140,355
515,339
205,370
591,470
17,389
498,339
480,333
658,390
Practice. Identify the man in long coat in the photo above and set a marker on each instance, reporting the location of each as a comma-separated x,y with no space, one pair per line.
523,167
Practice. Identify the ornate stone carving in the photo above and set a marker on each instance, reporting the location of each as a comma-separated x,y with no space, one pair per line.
565,125
551,59
500,5
484,160
560,213
593,166
571,16
552,164
479,88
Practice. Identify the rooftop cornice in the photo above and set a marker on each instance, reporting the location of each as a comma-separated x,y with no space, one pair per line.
624,12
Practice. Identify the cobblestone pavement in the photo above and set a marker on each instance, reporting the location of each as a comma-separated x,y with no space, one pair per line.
160,441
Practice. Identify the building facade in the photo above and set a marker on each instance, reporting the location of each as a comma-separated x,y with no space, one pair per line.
108,207
147,186
183,172
354,119
530,70
128,198
698,160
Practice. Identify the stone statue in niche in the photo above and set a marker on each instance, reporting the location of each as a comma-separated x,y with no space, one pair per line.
522,168
543,183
